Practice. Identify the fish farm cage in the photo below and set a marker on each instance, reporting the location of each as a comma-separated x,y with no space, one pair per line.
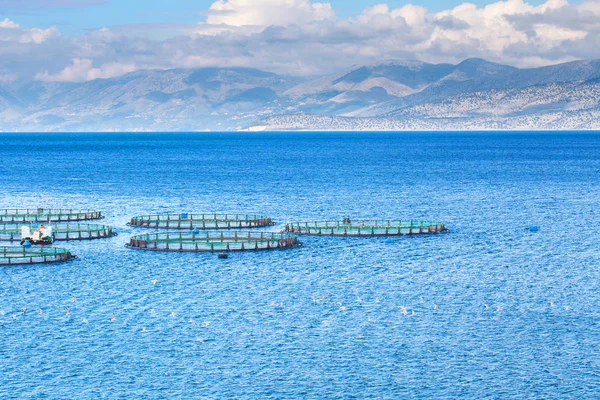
365,228
33,255
61,231
214,242
48,215
201,221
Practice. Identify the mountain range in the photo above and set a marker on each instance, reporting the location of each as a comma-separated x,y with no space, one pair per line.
391,95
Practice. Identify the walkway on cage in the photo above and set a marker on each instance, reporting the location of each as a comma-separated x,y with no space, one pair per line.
61,231
33,255
48,215
228,241
201,221
365,228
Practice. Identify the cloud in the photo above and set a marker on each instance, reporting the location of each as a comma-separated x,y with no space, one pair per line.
491,27
380,32
81,70
300,37
267,12
10,31
7,23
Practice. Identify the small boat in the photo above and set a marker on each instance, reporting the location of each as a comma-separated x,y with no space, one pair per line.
41,236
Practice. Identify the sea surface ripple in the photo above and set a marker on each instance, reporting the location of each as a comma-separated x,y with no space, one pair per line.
486,311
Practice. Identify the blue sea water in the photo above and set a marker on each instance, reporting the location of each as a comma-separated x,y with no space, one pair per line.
493,311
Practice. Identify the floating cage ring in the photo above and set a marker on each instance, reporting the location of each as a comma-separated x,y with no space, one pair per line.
206,221
60,231
365,228
33,255
214,242
48,215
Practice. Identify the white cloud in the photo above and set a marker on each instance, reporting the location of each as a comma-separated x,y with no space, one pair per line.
491,26
551,33
37,35
303,37
10,31
81,70
267,12
7,23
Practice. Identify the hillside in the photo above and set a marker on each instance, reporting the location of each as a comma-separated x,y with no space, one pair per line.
474,94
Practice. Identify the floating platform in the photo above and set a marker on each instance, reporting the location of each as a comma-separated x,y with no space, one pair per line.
365,228
48,215
61,231
201,221
33,255
220,242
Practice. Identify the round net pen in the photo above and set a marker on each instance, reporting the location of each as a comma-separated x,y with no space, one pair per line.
214,242
32,255
62,232
365,228
48,215
201,221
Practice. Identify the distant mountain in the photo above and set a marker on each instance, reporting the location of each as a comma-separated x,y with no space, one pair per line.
180,99
570,105
475,94
379,88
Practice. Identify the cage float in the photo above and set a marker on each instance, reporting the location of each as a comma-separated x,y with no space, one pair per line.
201,221
214,241
48,215
33,255
60,231
365,228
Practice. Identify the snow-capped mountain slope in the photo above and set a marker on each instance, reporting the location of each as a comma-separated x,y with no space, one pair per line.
568,105
383,94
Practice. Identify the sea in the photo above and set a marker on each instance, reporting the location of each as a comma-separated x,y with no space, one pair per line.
488,310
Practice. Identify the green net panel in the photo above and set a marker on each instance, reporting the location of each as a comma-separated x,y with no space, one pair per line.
365,228
72,231
33,255
48,215
201,221
214,241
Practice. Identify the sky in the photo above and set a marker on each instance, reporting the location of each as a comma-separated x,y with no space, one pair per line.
76,16
79,40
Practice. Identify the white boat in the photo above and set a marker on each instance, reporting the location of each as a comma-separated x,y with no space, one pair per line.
43,235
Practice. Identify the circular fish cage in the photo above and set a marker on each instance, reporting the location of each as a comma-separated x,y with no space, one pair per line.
33,255
61,231
214,242
48,215
201,221
365,228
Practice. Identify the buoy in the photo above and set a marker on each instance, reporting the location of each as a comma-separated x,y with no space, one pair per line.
196,231
534,228
27,243
388,241
223,256
184,215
